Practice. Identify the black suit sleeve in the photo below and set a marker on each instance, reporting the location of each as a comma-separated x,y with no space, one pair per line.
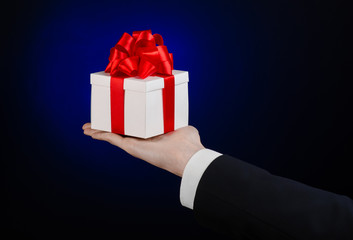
247,202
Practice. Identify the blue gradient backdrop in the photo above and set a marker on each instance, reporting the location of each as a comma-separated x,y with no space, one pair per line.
269,84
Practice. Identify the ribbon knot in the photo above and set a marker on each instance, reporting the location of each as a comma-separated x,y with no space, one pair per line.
138,55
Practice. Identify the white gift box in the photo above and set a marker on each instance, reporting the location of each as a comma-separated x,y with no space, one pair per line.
143,104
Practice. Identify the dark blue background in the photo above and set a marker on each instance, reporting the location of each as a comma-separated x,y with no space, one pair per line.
270,83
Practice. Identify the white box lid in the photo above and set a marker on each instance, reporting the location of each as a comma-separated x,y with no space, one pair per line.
138,84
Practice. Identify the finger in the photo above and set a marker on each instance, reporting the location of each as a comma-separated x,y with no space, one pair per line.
86,125
89,131
128,144
112,138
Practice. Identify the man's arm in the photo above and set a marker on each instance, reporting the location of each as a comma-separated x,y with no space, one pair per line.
238,198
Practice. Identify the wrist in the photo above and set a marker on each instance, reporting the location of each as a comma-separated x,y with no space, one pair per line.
186,156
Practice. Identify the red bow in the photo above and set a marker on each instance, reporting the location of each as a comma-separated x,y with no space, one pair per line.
138,55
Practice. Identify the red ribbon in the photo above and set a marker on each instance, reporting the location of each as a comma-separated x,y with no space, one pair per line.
138,55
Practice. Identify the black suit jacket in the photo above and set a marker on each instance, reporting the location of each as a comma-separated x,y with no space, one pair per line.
250,203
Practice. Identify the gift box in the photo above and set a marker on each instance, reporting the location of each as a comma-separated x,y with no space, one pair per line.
139,94
143,105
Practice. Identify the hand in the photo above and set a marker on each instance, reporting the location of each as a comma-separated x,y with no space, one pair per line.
170,151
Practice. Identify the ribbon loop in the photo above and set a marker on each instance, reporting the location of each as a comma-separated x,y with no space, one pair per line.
125,44
158,38
129,66
146,68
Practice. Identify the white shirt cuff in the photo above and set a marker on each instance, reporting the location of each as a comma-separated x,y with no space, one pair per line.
193,172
